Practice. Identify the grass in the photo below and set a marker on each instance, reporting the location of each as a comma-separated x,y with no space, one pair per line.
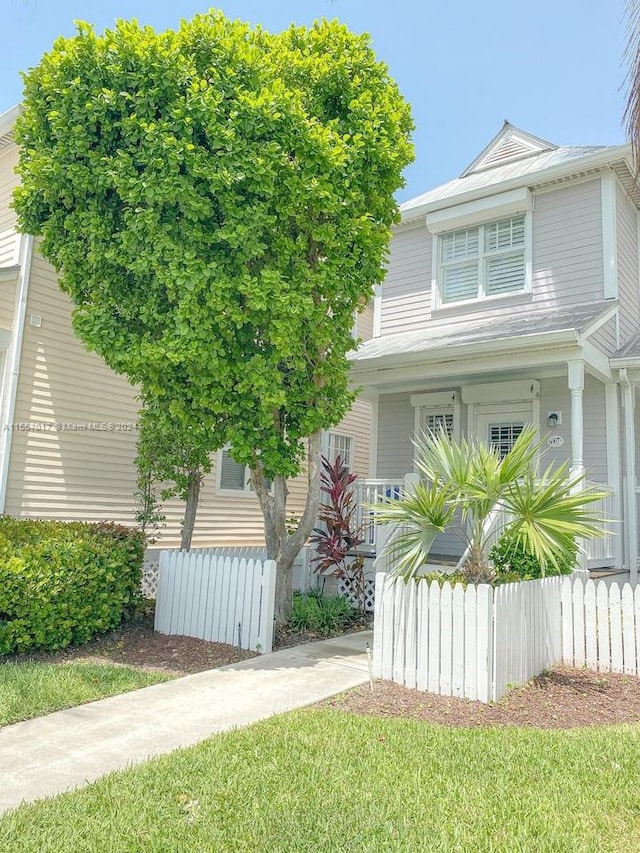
326,781
32,689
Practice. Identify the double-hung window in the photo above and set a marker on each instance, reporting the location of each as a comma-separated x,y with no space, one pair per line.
483,260
340,445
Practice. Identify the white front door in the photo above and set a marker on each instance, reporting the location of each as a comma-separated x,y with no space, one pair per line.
500,424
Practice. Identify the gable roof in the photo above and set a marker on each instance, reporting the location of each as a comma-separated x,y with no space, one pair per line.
510,143
516,158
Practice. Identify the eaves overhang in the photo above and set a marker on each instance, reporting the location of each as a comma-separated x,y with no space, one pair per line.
607,158
464,352
9,273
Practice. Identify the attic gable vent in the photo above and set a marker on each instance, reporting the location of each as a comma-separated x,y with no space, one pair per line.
508,145
510,148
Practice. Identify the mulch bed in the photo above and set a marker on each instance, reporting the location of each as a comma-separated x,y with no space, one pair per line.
558,699
137,644
286,638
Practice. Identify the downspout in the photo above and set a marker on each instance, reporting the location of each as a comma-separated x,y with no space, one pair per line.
13,364
630,499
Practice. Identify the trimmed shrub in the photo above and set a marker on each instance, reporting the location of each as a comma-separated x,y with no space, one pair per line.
512,562
324,614
61,583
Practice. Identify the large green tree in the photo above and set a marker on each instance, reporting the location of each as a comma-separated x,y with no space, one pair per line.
217,201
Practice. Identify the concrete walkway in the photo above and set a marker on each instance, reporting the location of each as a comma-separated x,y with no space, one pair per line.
67,749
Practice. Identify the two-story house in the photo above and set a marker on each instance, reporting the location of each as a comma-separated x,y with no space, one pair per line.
512,296
68,423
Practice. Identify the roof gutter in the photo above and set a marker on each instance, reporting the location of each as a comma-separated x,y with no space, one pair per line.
12,369
601,159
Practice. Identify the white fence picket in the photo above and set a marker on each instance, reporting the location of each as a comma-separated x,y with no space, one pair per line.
615,625
433,678
577,602
208,596
567,621
411,633
399,632
602,616
446,639
484,648
381,603
422,631
457,645
470,643
628,631
590,625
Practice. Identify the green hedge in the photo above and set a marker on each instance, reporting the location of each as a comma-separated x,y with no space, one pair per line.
512,562
62,583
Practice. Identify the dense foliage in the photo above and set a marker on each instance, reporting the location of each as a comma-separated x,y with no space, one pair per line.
468,486
218,203
62,583
511,560
319,613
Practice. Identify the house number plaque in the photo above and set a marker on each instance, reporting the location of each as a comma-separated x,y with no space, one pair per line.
555,441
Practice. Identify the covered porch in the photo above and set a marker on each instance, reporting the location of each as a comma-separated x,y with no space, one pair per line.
490,386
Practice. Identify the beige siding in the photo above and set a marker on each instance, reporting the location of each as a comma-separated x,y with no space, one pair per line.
567,265
567,245
65,472
396,425
406,290
627,251
606,337
8,182
8,240
364,324
90,475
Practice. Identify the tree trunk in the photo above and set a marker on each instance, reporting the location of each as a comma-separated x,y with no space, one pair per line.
281,546
190,510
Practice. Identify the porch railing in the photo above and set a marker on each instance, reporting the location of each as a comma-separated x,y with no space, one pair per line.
600,552
367,494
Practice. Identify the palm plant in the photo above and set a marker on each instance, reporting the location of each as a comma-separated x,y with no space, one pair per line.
467,484
632,111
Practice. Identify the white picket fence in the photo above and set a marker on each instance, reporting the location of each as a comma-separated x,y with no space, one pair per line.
479,641
214,597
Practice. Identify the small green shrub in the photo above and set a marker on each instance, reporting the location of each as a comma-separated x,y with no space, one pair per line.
323,614
61,583
512,562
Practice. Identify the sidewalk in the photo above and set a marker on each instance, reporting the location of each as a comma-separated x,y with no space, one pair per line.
66,749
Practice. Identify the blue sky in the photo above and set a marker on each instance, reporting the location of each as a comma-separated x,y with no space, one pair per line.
553,67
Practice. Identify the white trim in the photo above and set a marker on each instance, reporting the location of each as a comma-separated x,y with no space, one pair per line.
614,469
9,273
481,297
597,362
573,167
502,392
341,434
575,382
5,342
373,438
12,369
436,402
377,311
609,235
483,210
631,498
245,492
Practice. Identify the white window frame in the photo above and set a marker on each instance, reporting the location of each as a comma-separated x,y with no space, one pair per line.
436,403
482,258
245,492
480,213
330,453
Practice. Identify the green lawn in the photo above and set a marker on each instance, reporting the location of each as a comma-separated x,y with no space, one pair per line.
32,689
321,780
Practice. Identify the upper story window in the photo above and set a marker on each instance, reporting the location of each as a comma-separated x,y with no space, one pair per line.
483,260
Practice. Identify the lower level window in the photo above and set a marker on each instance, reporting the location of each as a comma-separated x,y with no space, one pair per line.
232,476
342,446
502,436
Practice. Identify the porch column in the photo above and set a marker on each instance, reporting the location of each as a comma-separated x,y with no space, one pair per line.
576,388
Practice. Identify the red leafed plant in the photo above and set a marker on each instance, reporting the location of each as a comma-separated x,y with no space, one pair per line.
339,537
